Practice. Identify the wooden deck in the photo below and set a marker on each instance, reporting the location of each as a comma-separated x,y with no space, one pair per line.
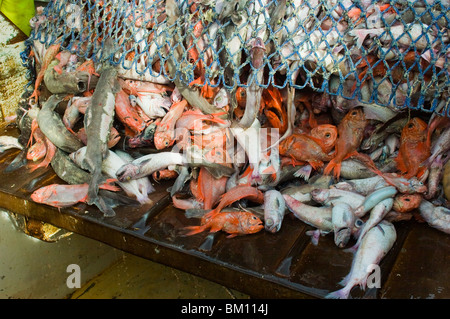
262,265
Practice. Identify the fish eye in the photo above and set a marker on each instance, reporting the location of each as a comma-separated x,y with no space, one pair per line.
406,199
354,113
359,223
410,125
328,135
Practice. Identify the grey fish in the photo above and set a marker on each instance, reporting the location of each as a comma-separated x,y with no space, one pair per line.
53,127
67,170
274,210
436,216
98,120
377,214
343,221
374,246
147,164
9,142
183,176
67,82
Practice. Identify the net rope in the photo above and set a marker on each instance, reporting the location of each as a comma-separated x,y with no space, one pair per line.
390,53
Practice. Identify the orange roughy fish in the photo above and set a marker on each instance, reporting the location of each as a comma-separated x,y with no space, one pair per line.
414,149
303,148
404,203
350,135
210,189
234,223
165,131
127,114
325,135
234,194
50,54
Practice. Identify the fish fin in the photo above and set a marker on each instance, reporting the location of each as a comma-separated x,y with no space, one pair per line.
352,249
104,208
193,230
93,188
232,235
216,119
315,235
304,172
269,170
195,212
338,294
333,166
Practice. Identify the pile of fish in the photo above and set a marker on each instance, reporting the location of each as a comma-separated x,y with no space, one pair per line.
241,159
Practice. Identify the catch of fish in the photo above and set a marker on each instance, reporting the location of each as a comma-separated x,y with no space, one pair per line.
228,109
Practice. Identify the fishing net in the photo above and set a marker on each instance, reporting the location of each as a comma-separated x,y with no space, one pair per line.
390,53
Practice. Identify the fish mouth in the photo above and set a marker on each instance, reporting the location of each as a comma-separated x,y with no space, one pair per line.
341,237
271,226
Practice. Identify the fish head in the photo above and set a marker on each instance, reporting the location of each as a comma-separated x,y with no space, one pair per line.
42,194
417,186
319,195
327,133
404,203
163,140
241,96
342,236
250,223
257,52
221,99
36,152
355,118
127,172
413,129
114,137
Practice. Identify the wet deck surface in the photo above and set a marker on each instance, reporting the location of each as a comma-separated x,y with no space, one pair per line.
262,265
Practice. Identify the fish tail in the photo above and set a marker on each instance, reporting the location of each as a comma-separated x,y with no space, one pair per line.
338,294
192,230
315,235
93,188
109,187
333,165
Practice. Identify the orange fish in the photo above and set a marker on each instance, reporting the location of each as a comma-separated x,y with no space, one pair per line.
38,149
303,148
89,67
50,54
114,136
414,149
234,223
325,135
50,152
404,203
273,109
210,189
165,130
350,135
164,174
127,114
234,194
62,195
184,204
193,119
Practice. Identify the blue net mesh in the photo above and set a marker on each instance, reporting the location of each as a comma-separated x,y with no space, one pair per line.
391,53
